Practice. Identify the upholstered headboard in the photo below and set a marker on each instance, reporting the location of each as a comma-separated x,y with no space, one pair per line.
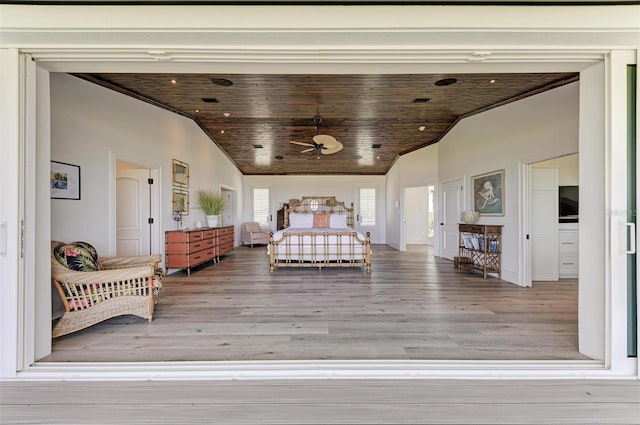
318,204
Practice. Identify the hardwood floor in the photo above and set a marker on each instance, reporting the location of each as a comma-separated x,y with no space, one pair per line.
411,306
436,401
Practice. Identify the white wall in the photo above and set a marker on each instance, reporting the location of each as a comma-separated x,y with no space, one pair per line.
344,188
418,168
90,125
530,130
568,169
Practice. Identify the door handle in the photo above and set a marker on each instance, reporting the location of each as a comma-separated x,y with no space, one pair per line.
632,238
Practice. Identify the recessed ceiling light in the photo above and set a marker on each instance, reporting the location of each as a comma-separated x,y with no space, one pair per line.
378,157
173,81
422,128
492,81
222,82
446,82
197,110
318,157
226,114
210,100
421,100
222,131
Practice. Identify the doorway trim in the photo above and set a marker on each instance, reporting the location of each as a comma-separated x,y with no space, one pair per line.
244,370
155,211
439,239
234,207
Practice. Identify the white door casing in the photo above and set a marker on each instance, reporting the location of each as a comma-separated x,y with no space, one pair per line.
451,206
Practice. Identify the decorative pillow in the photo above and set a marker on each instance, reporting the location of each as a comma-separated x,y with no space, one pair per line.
338,221
300,221
79,256
321,221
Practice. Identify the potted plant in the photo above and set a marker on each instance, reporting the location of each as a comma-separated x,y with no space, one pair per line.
211,204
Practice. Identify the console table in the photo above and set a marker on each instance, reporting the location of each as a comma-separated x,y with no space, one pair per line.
480,248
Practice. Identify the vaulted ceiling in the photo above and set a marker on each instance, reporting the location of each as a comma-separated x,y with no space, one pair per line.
254,118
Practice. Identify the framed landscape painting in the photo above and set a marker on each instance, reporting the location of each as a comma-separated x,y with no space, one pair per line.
488,193
64,181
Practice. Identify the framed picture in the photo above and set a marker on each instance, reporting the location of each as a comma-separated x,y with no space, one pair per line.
488,193
64,181
180,174
180,202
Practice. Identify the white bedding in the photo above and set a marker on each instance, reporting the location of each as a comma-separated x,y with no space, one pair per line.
325,245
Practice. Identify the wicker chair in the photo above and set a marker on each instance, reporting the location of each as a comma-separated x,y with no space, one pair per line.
123,286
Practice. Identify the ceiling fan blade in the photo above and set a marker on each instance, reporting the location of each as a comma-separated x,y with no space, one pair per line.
308,150
326,140
301,143
328,151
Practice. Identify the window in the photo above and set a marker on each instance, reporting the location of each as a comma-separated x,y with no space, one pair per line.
261,205
367,206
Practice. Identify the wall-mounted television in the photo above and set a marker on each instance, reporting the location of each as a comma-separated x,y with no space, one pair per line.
568,204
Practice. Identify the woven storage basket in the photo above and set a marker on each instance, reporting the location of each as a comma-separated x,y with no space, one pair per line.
470,217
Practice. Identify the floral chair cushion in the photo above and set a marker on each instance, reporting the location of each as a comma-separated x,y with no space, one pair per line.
79,256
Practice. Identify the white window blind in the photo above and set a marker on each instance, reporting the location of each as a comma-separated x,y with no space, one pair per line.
367,206
261,205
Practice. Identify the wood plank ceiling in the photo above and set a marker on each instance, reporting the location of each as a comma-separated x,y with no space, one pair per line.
377,118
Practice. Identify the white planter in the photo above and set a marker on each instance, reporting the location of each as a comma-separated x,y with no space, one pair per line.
212,220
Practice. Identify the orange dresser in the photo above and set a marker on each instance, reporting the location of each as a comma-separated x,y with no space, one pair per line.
188,248
225,236
185,249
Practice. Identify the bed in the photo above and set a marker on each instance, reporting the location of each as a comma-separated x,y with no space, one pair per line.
319,233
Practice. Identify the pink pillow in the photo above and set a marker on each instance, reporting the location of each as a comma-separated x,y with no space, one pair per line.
321,220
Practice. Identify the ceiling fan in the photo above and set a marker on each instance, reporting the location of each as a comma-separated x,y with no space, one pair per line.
325,143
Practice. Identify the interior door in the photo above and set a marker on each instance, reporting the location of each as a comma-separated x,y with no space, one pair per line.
451,195
544,224
416,216
229,212
132,212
